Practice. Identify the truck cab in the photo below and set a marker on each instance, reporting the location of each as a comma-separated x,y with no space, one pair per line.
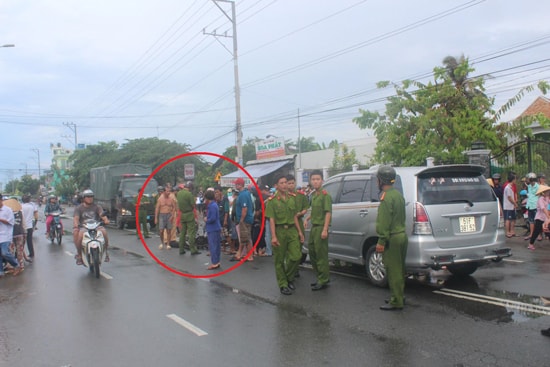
127,193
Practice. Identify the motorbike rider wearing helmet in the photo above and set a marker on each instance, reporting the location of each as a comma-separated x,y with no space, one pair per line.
51,207
88,210
392,238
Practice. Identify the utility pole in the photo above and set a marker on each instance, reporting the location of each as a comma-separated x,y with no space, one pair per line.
37,151
72,126
299,141
233,20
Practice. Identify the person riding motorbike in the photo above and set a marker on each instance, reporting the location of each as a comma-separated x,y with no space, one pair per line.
88,210
51,207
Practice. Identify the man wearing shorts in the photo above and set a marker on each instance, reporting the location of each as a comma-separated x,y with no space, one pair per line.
509,206
165,215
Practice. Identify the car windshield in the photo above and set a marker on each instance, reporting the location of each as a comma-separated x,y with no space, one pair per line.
454,187
131,187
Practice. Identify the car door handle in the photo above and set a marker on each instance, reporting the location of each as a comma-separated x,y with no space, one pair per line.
363,213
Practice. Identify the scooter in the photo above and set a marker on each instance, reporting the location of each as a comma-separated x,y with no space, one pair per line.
56,228
93,246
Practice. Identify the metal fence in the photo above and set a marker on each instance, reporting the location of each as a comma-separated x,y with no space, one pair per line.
529,155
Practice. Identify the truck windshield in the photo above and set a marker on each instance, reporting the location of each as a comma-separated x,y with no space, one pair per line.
131,188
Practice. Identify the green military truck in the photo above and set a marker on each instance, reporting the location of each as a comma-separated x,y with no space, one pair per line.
115,188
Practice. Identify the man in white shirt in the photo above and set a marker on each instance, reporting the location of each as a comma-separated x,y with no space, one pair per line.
7,220
30,215
509,206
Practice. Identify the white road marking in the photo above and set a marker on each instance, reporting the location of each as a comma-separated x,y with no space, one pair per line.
104,275
527,307
187,325
514,261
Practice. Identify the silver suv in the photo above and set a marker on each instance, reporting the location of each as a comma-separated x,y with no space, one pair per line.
453,219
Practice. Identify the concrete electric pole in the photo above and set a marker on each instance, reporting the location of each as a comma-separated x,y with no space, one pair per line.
233,20
72,126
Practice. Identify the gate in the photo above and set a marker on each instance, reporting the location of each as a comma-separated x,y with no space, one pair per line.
529,155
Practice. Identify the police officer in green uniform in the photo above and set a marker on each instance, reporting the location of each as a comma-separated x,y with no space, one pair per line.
186,204
302,202
142,214
285,235
302,205
392,238
321,214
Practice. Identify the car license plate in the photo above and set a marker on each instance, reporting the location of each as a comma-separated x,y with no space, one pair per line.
467,224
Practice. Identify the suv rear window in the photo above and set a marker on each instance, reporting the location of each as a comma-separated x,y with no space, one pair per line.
454,187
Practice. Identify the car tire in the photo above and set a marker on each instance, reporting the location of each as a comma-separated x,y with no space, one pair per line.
462,270
374,267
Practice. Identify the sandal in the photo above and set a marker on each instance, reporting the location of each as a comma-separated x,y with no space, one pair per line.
107,258
212,267
234,258
79,260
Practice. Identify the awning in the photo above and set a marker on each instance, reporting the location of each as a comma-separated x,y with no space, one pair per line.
256,171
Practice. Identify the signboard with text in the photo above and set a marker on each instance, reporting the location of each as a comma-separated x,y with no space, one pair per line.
189,171
270,148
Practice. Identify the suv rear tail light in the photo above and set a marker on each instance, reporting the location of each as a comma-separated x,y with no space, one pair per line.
421,221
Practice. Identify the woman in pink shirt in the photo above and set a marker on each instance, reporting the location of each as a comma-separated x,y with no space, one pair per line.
542,218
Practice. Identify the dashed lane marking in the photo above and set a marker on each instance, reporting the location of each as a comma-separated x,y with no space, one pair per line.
103,274
186,324
513,261
526,307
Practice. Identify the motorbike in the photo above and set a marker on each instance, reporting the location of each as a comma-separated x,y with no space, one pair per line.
93,246
56,228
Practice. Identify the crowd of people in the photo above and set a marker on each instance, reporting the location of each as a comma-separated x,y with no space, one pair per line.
231,223
530,202
17,223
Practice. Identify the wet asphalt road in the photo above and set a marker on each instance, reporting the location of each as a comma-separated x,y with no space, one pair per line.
56,314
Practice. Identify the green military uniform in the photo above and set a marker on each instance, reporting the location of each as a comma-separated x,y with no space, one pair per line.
142,214
186,204
287,255
321,203
302,203
390,226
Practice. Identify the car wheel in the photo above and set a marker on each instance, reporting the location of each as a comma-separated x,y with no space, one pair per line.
376,272
462,270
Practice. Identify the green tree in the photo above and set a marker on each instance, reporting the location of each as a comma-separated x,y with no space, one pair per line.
101,154
28,185
306,144
440,119
344,158
150,151
12,187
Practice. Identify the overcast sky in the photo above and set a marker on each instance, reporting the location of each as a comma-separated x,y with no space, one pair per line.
128,69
